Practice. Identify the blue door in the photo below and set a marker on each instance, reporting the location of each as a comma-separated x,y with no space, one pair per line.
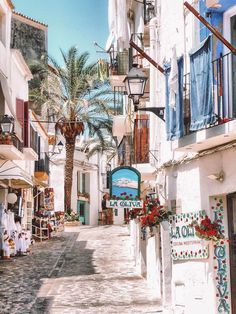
81,211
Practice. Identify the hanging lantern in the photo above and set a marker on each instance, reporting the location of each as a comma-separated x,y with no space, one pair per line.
11,198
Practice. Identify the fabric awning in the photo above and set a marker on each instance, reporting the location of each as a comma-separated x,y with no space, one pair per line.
15,177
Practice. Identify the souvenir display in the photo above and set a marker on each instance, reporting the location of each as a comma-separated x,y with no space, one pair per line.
14,240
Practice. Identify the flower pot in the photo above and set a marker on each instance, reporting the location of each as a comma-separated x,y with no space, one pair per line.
165,225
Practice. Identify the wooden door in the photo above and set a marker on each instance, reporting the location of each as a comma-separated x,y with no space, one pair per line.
231,200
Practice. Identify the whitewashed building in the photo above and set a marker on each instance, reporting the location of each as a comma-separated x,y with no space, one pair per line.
89,184
192,151
19,144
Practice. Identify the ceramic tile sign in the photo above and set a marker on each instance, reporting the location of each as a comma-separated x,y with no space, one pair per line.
124,188
185,245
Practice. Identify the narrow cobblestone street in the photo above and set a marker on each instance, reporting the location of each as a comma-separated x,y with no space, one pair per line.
83,270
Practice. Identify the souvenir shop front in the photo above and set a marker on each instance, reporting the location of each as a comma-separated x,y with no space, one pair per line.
16,208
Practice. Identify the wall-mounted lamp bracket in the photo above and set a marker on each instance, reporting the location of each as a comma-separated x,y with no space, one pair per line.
158,111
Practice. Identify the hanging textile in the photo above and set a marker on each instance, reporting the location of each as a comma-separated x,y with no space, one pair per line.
201,98
174,116
118,24
122,25
173,79
112,23
103,70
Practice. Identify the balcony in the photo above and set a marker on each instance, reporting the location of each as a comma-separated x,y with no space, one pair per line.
31,145
119,67
11,145
11,148
41,171
223,130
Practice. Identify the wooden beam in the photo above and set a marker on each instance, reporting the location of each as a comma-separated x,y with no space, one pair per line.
211,28
146,56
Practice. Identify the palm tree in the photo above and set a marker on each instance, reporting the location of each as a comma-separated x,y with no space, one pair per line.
94,146
79,103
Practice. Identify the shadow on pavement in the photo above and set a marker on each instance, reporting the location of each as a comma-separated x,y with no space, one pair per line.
22,287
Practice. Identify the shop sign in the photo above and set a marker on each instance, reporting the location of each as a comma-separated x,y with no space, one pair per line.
124,204
185,245
125,181
221,261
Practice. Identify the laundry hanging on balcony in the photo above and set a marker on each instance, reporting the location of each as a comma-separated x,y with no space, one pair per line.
118,25
173,79
103,70
201,99
174,115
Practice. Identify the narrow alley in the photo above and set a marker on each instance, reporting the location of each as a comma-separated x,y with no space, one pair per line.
82,270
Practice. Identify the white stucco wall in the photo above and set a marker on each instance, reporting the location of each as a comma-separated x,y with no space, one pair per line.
5,46
193,282
57,183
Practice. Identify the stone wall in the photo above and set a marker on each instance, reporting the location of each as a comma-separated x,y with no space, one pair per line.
30,40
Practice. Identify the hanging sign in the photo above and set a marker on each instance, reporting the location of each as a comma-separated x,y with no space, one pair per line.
185,245
49,199
124,204
125,188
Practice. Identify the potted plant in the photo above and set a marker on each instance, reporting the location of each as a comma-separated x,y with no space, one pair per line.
72,218
155,215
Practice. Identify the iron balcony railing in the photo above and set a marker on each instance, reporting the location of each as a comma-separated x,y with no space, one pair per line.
17,143
122,61
42,165
33,139
223,92
119,92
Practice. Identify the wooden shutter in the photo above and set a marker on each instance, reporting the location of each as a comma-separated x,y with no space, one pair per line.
20,111
26,125
141,139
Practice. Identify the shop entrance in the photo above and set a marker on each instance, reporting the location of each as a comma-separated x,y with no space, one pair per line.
231,202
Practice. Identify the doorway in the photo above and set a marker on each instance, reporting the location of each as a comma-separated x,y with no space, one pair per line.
81,211
231,205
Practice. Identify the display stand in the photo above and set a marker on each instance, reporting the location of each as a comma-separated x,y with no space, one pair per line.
41,232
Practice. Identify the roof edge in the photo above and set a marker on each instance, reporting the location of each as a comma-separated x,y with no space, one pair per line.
29,18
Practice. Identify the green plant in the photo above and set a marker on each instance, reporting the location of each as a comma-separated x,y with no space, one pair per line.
72,216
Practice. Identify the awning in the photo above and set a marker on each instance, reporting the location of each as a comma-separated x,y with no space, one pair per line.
39,183
15,177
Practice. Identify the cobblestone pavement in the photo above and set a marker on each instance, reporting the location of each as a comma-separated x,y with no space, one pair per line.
83,270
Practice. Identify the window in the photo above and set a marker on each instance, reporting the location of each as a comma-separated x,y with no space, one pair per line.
81,182
141,139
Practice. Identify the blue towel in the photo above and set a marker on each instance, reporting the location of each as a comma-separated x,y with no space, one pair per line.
201,98
175,117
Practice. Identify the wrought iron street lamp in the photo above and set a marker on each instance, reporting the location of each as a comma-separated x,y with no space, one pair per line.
135,83
7,124
59,148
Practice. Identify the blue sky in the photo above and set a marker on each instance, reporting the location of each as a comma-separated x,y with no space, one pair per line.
70,22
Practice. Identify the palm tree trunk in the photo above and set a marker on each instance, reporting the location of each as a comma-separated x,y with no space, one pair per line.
70,149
